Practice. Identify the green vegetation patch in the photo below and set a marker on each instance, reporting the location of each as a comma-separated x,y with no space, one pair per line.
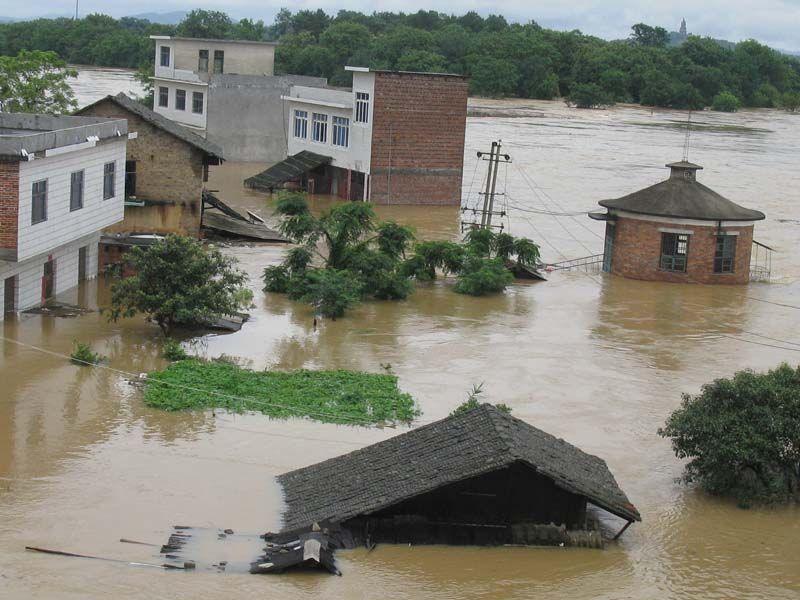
346,397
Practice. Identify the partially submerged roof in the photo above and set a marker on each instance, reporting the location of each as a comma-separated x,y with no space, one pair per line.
683,197
453,449
160,122
287,169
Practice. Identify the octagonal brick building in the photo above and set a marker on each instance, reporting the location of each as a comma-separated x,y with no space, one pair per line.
678,230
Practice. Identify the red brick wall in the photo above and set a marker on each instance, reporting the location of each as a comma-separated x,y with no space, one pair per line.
418,130
637,253
9,204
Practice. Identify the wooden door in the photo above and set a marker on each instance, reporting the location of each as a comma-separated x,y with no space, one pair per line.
9,294
48,280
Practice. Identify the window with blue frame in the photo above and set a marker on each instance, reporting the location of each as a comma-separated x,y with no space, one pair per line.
301,124
341,131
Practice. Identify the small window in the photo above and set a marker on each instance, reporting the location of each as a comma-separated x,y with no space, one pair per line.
725,255
197,103
301,124
674,252
39,202
341,131
163,97
180,99
319,127
76,191
362,107
219,61
202,61
130,178
109,183
165,56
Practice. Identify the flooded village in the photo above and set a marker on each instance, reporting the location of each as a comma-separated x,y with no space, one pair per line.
591,361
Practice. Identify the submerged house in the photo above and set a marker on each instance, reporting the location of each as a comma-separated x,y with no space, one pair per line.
60,184
680,230
394,138
482,477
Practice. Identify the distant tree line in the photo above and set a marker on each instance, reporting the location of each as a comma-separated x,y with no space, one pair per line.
501,58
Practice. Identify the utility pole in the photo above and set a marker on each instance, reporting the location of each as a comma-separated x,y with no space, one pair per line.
76,10
490,190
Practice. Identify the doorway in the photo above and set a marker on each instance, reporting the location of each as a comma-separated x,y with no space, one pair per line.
9,294
48,280
82,258
608,249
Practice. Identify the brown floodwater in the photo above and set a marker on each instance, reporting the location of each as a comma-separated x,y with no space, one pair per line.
598,360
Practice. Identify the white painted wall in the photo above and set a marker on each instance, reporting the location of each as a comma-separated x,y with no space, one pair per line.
62,226
241,58
184,117
359,151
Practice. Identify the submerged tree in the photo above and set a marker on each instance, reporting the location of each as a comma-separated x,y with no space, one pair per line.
742,436
35,82
179,282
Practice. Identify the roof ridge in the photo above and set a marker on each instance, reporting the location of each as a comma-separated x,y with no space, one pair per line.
501,421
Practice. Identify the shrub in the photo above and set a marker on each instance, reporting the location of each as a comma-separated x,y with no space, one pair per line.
82,354
725,102
172,350
588,95
790,101
483,276
742,435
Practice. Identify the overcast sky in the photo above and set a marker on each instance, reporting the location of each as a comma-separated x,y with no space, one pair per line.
774,22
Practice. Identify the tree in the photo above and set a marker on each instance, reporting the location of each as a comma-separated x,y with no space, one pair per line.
35,82
790,101
493,77
742,435
588,95
645,35
200,23
179,282
726,102
421,61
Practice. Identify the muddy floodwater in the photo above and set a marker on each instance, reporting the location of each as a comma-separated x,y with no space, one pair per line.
595,359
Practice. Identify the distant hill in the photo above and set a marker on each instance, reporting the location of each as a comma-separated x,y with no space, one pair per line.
167,18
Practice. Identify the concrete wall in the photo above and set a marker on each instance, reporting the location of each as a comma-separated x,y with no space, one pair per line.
248,119
29,273
637,251
419,122
62,225
241,57
168,170
187,117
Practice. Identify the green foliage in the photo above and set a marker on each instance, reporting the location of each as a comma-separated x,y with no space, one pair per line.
200,23
35,82
172,350
346,397
482,276
82,354
179,281
330,292
725,102
589,95
742,435
790,101
645,35
473,401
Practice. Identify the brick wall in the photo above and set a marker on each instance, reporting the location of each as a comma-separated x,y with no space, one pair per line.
637,253
418,130
167,170
9,204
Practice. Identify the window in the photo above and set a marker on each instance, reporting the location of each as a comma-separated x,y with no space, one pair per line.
362,107
39,202
319,127
164,56
725,255
341,131
76,191
301,124
674,250
130,178
202,61
109,185
197,102
219,61
180,99
163,96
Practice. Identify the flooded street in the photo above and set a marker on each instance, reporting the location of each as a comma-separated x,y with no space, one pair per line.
595,359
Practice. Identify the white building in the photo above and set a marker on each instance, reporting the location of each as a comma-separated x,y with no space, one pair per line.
225,90
62,180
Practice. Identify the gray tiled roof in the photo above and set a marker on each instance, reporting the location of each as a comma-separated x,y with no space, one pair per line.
161,122
452,449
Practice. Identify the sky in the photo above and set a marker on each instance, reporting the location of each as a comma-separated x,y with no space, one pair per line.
773,22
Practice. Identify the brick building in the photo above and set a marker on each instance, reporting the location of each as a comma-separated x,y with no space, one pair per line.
60,185
394,138
165,169
679,231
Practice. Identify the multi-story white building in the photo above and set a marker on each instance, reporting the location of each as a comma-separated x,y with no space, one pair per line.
225,90
62,180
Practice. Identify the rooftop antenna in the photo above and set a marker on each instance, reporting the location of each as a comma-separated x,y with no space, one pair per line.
688,135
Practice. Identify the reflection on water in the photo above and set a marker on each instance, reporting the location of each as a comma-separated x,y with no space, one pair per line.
599,361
